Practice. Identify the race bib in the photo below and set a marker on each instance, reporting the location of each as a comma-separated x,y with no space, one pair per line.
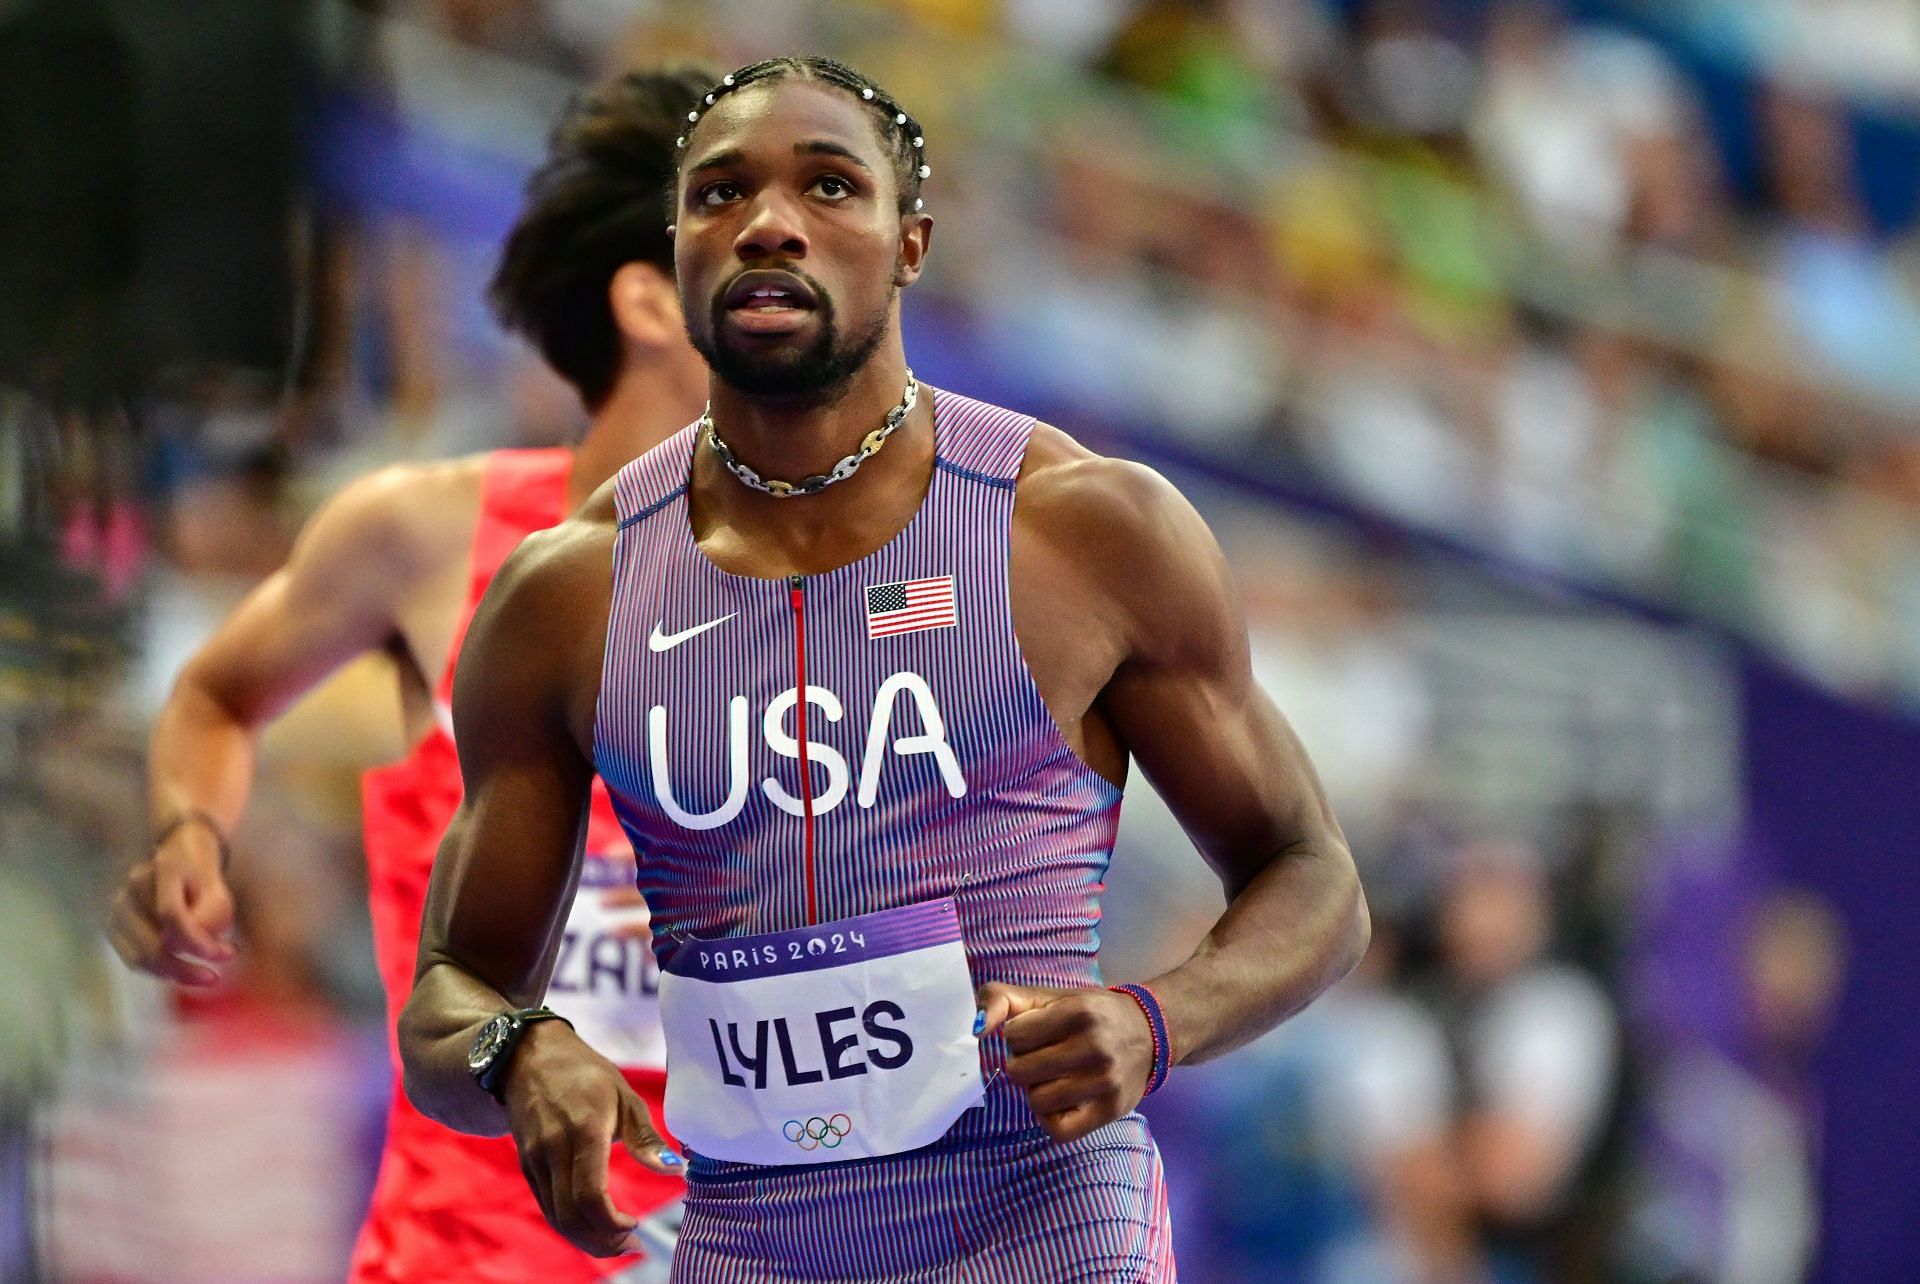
605,980
843,1041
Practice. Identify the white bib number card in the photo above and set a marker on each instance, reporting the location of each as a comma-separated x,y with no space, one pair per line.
846,1040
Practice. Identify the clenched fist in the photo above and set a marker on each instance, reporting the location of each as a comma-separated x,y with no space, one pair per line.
173,916
1083,1056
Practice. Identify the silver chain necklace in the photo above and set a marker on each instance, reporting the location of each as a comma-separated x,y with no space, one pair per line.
869,447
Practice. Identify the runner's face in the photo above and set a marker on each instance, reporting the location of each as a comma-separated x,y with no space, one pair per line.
790,248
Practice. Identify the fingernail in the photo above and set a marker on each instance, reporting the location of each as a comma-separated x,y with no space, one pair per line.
979,1021
668,1158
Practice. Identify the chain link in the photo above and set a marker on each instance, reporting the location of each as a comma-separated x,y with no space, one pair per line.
869,447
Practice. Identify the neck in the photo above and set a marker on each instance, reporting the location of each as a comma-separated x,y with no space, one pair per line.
647,406
791,439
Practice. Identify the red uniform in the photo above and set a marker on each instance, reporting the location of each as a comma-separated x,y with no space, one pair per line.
448,1206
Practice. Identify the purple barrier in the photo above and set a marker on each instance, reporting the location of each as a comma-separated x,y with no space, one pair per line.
1835,790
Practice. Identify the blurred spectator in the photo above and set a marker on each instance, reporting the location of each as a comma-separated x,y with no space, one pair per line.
1194,52
1348,1110
1406,76
1869,47
1535,1054
1840,290
1562,112
1384,419
1548,420
1733,1122
1331,646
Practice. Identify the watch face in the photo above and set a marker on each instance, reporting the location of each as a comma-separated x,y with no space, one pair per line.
487,1044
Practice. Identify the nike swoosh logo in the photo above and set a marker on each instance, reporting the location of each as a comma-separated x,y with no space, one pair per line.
667,641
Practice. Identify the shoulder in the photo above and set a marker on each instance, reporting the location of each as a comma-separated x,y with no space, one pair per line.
1129,530
535,645
404,518
1101,501
560,571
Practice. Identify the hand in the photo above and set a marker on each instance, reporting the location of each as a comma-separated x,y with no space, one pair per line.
566,1104
173,916
1083,1056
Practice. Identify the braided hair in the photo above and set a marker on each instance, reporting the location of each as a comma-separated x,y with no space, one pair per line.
901,133
593,206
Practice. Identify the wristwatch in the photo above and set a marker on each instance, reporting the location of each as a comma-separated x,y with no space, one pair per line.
492,1050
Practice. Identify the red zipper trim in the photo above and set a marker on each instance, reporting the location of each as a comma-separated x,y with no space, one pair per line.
797,595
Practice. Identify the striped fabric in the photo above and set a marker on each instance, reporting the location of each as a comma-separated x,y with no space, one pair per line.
1026,1210
935,770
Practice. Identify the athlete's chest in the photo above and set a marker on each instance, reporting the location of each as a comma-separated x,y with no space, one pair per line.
946,635
898,674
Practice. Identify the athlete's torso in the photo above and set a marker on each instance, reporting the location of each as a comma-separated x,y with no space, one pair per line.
447,1204
935,767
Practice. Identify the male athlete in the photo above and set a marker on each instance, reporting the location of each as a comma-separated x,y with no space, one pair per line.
862,663
397,562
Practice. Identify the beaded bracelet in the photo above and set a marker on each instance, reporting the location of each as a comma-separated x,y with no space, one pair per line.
1162,1043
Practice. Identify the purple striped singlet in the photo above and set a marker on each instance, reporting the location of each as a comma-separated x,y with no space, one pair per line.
935,769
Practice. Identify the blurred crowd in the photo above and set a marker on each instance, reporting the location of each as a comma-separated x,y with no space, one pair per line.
1598,289
1586,291
1524,277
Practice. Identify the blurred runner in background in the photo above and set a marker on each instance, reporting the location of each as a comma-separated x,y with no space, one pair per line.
397,562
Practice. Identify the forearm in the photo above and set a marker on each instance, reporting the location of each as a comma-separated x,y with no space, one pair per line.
437,1027
201,756
1299,926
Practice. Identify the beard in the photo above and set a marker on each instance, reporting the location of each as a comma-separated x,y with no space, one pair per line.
809,372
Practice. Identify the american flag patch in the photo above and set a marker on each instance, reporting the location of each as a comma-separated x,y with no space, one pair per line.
910,606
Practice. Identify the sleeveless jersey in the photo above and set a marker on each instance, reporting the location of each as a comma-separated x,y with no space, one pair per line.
447,1205
933,769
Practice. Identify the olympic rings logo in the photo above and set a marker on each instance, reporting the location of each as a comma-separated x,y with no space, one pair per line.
817,1133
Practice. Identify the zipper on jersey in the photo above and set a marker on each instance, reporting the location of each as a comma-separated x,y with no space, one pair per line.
797,595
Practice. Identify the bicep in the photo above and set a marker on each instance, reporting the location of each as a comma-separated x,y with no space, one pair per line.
507,869
1226,761
331,602
1187,707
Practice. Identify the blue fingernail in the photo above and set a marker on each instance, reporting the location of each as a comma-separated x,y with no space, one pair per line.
979,1021
670,1159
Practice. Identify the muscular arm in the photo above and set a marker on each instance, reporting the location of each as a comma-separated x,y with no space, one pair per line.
510,860
1156,664
506,872
337,597
1185,704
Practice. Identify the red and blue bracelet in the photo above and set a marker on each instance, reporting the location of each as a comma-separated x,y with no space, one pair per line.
1162,1044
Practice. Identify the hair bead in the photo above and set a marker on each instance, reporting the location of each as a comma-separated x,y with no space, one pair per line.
898,121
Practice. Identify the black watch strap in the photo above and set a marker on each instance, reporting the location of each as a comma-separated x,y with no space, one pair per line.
498,1040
